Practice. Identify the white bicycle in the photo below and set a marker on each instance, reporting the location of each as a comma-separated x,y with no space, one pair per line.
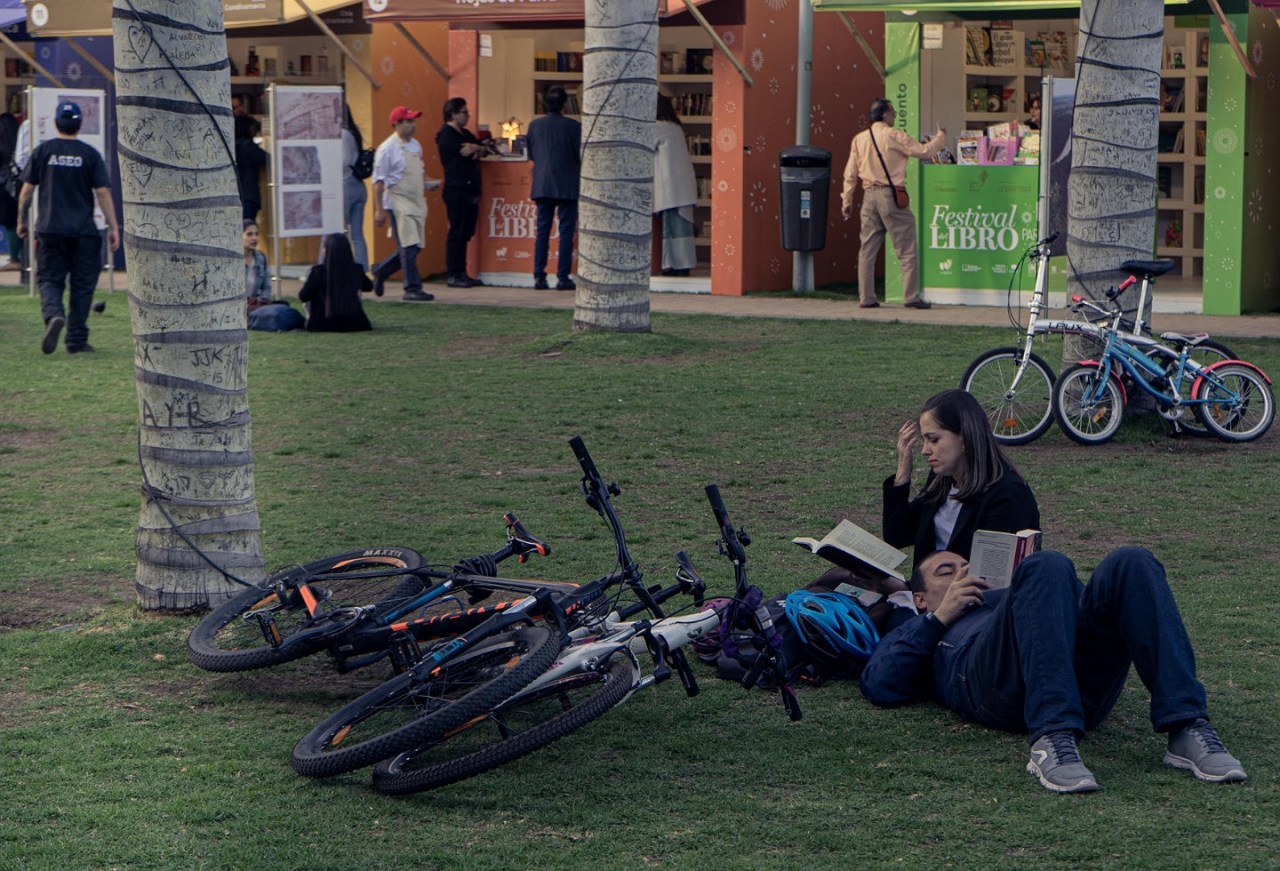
1014,385
600,668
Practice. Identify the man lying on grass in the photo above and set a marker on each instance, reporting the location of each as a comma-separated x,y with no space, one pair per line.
1049,656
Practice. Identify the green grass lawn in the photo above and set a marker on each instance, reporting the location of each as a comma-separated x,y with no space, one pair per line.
115,752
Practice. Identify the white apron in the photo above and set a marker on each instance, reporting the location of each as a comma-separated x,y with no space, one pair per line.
408,203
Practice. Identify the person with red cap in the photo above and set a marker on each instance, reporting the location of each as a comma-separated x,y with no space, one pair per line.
399,198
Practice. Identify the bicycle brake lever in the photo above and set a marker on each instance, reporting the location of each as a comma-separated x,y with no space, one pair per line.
690,682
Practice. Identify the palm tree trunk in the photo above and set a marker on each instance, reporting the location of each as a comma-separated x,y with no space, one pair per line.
620,91
186,294
1116,125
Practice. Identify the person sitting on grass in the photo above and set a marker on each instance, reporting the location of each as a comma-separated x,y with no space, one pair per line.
332,290
1050,656
971,485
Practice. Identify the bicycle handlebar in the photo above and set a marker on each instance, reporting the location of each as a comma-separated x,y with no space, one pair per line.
729,536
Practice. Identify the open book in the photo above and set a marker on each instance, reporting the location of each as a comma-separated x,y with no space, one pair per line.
852,547
995,555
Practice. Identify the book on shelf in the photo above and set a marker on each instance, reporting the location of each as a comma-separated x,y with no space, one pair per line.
977,98
967,144
1179,142
977,46
1056,49
1035,56
698,61
852,547
1201,138
1004,47
995,555
1172,98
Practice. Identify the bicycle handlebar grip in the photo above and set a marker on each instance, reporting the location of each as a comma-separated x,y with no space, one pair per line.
1051,238
1127,283
584,458
717,506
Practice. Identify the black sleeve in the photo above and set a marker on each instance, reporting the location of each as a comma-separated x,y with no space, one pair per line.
314,285
901,517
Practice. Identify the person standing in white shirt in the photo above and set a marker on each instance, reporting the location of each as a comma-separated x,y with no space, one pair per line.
399,198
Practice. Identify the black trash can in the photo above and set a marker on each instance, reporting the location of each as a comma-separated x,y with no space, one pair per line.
804,180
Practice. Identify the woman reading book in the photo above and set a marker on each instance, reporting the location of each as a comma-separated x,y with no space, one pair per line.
971,485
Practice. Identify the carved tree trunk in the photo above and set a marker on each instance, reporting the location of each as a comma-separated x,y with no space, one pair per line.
186,295
620,92
1112,192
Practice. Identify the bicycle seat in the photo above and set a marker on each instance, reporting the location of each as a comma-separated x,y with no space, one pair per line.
1185,338
1148,268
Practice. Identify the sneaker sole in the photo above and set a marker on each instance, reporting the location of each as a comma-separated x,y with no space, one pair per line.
1235,775
1082,786
51,333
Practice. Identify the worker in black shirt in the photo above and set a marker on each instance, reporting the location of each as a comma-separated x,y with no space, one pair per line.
460,154
69,175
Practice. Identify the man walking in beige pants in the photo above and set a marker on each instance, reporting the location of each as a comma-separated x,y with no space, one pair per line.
878,159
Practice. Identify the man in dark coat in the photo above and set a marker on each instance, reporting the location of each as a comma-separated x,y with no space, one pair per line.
555,145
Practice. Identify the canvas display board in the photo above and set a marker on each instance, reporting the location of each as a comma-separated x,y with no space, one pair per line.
306,160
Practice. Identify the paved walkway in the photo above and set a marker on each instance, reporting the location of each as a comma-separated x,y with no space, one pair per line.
754,305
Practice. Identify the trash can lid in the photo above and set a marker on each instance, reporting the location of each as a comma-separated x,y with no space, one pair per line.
804,155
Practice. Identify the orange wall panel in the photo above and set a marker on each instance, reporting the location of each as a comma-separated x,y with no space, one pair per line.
408,80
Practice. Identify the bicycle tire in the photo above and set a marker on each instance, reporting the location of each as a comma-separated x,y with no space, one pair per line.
1092,422
1206,353
1232,421
225,641
408,711
522,724
1028,414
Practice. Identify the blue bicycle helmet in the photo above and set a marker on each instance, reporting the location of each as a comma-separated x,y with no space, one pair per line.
832,626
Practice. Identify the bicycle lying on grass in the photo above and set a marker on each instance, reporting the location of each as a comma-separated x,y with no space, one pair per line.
1014,385
1231,398
601,668
360,606
458,679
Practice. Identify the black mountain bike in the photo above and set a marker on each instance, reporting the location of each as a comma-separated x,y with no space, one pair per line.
459,679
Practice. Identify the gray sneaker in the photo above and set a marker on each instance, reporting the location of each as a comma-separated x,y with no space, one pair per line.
1056,761
1197,748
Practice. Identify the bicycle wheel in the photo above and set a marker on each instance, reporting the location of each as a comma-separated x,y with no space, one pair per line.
1239,418
1206,353
1018,416
517,727
1088,410
229,639
408,711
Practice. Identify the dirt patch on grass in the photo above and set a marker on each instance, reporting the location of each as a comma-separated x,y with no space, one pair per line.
27,439
73,601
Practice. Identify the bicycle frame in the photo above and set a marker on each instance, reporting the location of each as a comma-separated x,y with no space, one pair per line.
1131,353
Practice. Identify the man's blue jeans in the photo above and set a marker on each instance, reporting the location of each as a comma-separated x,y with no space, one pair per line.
401,260
1056,653
547,208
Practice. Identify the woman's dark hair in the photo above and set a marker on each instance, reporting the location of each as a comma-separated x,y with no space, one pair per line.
350,124
878,107
453,106
554,98
335,253
667,111
958,412
248,222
